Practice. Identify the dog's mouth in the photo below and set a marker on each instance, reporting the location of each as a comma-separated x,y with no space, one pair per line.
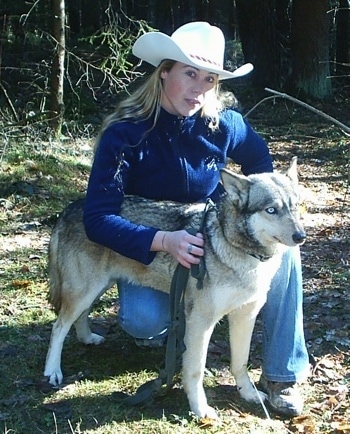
298,239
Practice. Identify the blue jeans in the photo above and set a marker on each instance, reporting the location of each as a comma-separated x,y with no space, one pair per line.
285,357
144,313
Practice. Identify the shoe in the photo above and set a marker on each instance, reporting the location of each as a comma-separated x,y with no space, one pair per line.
283,398
150,343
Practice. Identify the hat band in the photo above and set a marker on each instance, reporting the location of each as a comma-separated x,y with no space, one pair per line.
203,59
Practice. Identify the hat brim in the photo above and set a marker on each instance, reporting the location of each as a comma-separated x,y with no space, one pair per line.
154,47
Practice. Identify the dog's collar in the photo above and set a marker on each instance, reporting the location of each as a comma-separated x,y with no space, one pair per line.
261,258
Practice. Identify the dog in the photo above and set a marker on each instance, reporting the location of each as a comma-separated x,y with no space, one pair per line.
253,223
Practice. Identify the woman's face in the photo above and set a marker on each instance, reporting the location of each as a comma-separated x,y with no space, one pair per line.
185,88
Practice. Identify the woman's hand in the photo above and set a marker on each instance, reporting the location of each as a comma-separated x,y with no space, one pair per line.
184,247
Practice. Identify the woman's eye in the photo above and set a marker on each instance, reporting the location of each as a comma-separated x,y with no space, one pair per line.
271,210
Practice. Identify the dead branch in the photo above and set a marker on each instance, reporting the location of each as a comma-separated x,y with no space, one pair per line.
344,127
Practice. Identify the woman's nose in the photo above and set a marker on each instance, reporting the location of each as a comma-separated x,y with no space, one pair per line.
199,88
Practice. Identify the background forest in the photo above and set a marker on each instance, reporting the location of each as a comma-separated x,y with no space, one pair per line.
62,60
64,64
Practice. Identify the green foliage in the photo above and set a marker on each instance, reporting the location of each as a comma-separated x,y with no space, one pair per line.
97,64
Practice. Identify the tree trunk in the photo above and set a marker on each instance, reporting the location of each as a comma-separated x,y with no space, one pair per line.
57,69
260,40
343,38
91,15
310,49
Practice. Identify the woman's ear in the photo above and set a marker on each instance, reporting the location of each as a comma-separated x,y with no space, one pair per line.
163,73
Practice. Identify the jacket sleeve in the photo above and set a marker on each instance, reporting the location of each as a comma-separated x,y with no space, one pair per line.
248,148
105,193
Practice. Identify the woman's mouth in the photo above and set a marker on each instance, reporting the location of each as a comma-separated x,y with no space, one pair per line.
193,104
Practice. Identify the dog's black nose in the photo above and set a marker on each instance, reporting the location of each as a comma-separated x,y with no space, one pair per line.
299,237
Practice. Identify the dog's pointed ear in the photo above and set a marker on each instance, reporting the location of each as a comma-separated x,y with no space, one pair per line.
234,183
292,171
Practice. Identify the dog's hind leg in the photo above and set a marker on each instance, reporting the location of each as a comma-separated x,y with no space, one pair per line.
59,332
241,324
75,310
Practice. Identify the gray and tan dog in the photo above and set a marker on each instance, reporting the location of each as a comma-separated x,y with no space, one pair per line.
244,240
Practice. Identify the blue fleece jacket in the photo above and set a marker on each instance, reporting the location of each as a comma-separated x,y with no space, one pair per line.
177,160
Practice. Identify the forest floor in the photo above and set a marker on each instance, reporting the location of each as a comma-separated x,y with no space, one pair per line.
37,179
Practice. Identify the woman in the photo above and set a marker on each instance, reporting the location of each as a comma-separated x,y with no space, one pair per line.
168,141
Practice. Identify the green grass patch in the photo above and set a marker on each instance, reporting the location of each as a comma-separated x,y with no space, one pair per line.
35,183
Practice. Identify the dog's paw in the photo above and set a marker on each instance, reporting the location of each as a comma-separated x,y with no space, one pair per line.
211,414
55,378
205,412
253,395
258,397
262,395
92,339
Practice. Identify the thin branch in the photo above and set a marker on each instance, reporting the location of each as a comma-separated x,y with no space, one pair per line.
257,105
24,17
9,102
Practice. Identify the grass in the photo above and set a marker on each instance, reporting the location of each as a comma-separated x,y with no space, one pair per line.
36,182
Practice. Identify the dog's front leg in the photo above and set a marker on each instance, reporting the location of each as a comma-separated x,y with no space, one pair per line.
197,336
241,324
84,333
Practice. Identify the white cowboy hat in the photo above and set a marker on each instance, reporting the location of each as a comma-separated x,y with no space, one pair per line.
197,44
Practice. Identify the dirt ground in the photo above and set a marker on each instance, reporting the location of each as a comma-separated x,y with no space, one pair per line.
323,160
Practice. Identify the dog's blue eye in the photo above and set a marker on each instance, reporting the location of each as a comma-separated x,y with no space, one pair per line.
271,210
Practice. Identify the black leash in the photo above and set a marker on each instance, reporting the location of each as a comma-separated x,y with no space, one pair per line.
176,330
198,270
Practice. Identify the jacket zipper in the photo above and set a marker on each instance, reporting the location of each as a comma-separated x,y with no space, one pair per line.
181,121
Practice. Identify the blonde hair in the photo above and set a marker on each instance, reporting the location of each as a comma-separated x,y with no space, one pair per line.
145,102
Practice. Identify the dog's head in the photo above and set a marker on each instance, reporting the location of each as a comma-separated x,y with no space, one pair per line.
269,205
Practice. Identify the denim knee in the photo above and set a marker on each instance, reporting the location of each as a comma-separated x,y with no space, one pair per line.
285,355
144,312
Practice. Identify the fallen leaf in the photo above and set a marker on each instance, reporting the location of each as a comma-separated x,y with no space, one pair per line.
25,268
302,424
207,422
340,427
20,283
332,401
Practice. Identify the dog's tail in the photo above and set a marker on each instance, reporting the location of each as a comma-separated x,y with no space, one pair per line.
55,276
